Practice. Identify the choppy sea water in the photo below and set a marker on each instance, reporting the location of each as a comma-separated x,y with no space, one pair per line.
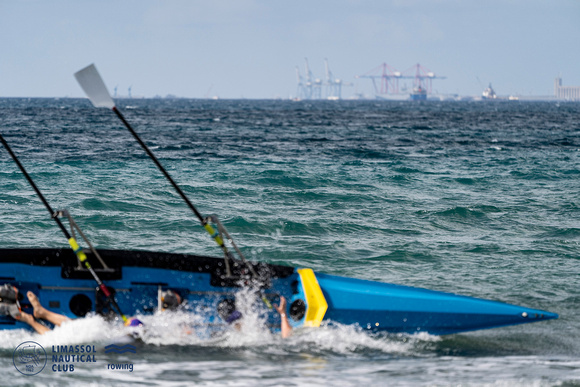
480,199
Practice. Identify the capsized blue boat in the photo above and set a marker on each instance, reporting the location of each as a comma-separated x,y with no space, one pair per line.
137,277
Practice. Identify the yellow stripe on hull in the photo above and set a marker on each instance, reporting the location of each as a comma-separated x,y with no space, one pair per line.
315,301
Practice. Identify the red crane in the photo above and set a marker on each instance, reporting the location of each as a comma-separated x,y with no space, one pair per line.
388,78
423,77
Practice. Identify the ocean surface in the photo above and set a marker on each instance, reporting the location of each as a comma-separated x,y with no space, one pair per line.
476,198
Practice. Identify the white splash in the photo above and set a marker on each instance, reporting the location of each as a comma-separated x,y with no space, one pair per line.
189,328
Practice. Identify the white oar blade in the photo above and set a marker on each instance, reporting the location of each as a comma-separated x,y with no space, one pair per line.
94,87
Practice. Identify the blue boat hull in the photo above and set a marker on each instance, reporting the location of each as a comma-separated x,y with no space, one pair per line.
314,298
395,308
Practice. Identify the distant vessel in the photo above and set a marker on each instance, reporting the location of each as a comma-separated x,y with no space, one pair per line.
419,94
489,93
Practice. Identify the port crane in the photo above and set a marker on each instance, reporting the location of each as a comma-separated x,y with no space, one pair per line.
313,85
309,87
422,77
333,85
386,78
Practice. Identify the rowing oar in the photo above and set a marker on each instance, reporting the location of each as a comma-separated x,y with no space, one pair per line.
94,87
71,240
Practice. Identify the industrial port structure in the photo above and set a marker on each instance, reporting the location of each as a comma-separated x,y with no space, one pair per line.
310,87
568,93
385,81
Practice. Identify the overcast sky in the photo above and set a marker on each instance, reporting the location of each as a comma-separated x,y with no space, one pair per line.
250,48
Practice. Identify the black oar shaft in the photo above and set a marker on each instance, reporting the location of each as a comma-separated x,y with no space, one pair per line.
214,234
27,176
152,156
73,243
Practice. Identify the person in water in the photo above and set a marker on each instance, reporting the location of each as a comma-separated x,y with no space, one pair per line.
9,305
228,312
170,300
285,328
